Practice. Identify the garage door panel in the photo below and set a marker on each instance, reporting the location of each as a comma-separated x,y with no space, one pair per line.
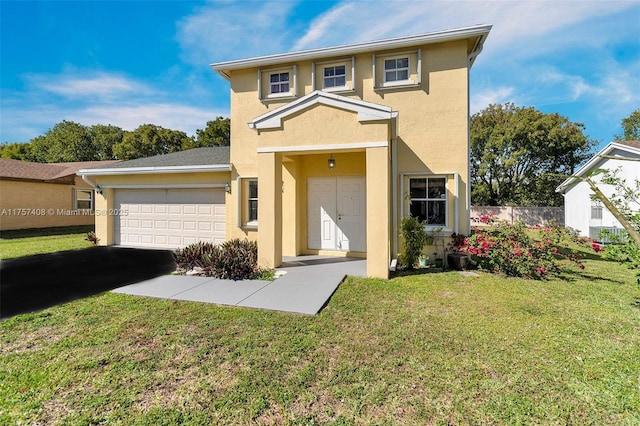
170,218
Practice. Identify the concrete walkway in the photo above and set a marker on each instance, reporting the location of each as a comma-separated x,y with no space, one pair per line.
305,288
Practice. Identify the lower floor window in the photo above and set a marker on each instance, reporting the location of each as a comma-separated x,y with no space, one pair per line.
428,197
83,199
253,200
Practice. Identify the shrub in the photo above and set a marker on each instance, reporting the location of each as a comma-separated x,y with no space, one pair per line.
193,255
415,237
92,237
234,260
622,249
512,250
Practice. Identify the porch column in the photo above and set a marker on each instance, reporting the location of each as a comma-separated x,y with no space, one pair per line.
269,209
378,212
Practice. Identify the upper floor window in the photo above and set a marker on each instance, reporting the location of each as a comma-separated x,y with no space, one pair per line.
428,197
335,76
279,83
396,69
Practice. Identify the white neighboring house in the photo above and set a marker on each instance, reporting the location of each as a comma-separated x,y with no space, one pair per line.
589,216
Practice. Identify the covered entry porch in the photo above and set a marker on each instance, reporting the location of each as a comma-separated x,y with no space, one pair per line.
324,171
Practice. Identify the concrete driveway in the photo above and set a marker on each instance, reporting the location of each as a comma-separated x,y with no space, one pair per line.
305,288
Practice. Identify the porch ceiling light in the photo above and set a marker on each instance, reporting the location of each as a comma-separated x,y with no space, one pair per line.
331,162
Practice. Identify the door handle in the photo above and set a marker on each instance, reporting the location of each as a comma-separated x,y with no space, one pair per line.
339,217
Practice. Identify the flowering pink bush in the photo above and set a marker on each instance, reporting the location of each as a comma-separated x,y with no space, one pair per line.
511,249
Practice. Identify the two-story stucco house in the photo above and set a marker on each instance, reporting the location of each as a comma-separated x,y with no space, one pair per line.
330,148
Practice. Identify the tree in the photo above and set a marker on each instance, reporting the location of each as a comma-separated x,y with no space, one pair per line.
148,140
216,133
66,141
631,127
16,151
515,152
104,137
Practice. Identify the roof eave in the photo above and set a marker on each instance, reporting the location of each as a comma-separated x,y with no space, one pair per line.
155,170
481,31
571,181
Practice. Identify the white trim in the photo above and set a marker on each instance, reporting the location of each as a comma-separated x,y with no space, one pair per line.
456,195
239,222
161,185
397,83
260,84
157,169
367,111
373,70
332,147
295,80
353,73
419,65
481,31
594,160
313,76
456,215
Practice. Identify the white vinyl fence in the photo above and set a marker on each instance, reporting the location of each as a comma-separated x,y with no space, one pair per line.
531,216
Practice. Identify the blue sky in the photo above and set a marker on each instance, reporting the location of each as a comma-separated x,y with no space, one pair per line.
133,62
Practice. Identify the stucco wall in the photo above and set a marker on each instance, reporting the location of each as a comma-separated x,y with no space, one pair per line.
26,205
429,135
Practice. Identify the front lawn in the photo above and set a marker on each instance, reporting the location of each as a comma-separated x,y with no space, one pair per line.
423,349
26,242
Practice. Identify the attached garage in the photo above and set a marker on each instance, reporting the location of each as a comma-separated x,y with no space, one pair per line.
169,218
166,201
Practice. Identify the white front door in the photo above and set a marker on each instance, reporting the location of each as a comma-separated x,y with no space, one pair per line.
336,213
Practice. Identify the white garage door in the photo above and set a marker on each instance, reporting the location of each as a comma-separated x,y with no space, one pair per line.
169,218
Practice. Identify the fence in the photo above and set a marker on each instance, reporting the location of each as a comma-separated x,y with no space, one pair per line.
531,216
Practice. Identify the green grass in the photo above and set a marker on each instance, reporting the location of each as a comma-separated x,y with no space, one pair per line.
27,242
433,349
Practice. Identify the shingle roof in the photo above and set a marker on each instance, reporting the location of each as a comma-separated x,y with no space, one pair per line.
44,172
192,157
633,144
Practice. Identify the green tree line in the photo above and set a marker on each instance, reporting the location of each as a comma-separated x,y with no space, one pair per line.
70,141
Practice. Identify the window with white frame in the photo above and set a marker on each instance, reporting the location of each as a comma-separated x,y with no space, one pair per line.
335,76
428,200
279,83
252,206
82,199
596,209
396,69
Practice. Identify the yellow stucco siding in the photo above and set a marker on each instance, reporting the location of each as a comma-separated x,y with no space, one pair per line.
428,136
323,125
52,205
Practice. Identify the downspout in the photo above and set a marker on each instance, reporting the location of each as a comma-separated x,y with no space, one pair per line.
394,194
91,184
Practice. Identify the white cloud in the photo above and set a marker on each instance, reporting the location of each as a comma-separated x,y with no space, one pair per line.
319,27
99,98
481,99
232,30
101,84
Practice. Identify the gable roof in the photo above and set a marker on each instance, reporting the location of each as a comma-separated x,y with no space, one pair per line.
475,34
367,111
63,173
192,160
630,147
